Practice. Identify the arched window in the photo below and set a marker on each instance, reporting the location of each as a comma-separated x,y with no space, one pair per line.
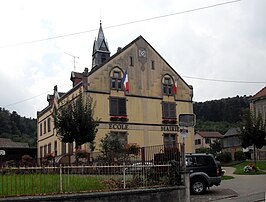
167,85
116,79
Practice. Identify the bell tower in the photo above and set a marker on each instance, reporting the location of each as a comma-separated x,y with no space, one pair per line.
100,51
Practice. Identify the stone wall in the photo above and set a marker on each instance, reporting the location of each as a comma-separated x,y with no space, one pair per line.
162,194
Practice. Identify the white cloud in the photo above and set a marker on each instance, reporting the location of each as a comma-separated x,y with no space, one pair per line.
225,42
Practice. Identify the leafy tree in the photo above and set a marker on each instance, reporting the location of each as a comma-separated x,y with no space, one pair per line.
253,131
17,128
75,121
215,147
112,148
223,110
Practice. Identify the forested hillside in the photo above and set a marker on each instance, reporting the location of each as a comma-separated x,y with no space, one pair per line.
214,115
17,128
220,115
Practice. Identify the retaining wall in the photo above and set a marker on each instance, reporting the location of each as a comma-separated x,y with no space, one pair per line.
162,194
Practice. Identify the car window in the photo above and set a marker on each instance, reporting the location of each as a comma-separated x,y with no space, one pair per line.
202,161
189,161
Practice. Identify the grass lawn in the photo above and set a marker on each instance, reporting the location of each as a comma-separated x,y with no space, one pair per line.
261,165
226,177
36,184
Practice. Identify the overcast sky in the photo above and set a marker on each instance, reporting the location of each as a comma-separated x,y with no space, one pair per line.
226,42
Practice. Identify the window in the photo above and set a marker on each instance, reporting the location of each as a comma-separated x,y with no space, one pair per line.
44,127
118,106
131,61
197,141
40,129
41,152
169,110
202,160
55,148
63,149
197,161
45,150
167,86
49,148
169,140
122,136
152,65
49,124
207,140
70,148
116,81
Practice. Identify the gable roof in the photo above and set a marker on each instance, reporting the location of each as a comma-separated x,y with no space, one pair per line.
126,47
212,134
232,132
259,95
8,143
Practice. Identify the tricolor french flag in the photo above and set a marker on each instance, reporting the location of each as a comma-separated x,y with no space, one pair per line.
174,88
125,81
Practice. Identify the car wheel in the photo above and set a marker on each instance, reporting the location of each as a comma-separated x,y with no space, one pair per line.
198,186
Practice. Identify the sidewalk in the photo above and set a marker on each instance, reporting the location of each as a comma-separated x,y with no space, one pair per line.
229,171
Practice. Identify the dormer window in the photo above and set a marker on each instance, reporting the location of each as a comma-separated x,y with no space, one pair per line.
116,81
167,86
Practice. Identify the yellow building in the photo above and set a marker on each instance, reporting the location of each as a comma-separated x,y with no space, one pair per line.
145,111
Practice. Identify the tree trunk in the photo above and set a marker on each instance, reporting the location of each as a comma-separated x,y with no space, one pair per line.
255,157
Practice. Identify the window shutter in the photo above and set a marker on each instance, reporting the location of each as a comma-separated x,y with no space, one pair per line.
172,110
122,107
118,107
113,106
165,109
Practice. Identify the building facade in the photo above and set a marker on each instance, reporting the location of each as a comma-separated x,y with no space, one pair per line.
232,143
137,96
258,106
203,139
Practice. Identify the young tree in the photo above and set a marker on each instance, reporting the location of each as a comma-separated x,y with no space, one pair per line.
215,147
75,121
253,132
112,148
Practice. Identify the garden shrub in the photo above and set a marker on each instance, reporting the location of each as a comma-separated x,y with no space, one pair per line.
224,157
203,150
239,156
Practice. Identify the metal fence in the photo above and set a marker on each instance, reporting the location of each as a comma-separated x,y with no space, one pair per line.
149,167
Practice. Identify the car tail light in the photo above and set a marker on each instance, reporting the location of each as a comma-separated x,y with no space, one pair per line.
218,172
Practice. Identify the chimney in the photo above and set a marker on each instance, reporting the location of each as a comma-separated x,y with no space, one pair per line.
85,79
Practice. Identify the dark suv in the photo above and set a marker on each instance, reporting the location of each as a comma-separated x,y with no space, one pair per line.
204,170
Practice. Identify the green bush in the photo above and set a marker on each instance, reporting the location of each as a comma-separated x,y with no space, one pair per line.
224,157
203,150
239,156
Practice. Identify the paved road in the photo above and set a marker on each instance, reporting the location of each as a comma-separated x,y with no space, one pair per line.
243,188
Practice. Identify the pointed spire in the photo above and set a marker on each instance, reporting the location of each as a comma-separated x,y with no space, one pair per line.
100,49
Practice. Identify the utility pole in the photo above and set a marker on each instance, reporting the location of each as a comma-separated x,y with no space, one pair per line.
74,57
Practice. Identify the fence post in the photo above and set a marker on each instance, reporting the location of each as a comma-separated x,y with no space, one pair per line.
60,177
124,174
143,155
187,185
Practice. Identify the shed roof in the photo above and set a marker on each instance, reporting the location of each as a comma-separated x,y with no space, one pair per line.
232,132
212,134
8,143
